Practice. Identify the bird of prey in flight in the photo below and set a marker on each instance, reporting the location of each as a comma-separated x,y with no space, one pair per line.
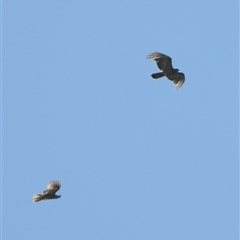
49,193
164,63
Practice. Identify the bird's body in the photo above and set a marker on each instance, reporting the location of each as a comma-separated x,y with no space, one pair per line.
164,63
49,193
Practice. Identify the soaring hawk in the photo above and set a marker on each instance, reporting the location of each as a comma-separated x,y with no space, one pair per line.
164,63
49,193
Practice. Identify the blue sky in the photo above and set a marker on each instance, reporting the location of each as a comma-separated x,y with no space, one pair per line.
137,160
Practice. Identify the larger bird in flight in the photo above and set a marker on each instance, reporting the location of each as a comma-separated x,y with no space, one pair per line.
164,63
49,193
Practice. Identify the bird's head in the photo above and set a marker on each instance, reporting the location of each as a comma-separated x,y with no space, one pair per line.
58,196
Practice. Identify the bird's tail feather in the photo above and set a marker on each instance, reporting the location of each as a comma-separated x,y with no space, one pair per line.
37,197
157,75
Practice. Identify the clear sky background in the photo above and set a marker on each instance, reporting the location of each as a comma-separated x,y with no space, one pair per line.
137,160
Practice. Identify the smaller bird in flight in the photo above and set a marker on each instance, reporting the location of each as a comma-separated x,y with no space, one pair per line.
49,193
164,63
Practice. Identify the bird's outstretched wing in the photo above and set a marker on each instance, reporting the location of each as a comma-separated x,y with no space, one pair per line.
163,61
52,187
178,79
